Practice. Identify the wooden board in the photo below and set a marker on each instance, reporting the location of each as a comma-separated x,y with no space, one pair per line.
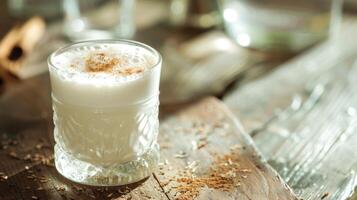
207,155
27,148
26,129
302,117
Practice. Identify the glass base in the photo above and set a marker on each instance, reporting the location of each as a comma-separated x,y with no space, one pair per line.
120,174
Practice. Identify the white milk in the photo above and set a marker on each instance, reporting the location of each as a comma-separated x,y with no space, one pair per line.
105,118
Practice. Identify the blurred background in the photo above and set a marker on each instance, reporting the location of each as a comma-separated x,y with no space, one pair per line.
228,38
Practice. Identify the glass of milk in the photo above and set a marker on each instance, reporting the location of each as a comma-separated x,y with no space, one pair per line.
105,109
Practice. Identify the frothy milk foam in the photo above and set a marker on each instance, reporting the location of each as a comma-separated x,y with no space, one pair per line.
105,101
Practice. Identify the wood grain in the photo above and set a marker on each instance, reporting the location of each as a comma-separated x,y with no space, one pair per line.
26,127
302,117
210,122
26,117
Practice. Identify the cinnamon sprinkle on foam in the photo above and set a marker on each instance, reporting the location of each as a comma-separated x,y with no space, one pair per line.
101,62
131,70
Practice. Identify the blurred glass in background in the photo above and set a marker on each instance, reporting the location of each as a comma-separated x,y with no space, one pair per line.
27,8
98,19
194,13
280,25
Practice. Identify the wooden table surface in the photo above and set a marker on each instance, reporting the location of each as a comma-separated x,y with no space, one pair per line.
27,170
26,131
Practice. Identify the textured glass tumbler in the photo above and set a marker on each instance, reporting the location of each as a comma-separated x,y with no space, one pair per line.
105,129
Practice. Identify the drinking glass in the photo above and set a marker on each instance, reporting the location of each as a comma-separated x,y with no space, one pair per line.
280,25
29,8
98,19
105,128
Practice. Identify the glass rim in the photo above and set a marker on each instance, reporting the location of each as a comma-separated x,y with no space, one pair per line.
108,41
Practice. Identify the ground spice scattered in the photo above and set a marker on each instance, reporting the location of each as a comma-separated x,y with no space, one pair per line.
200,129
78,189
27,157
39,189
164,145
5,143
325,195
224,174
13,155
32,177
246,170
181,154
201,143
192,166
43,159
39,146
3,177
60,188
131,70
120,191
